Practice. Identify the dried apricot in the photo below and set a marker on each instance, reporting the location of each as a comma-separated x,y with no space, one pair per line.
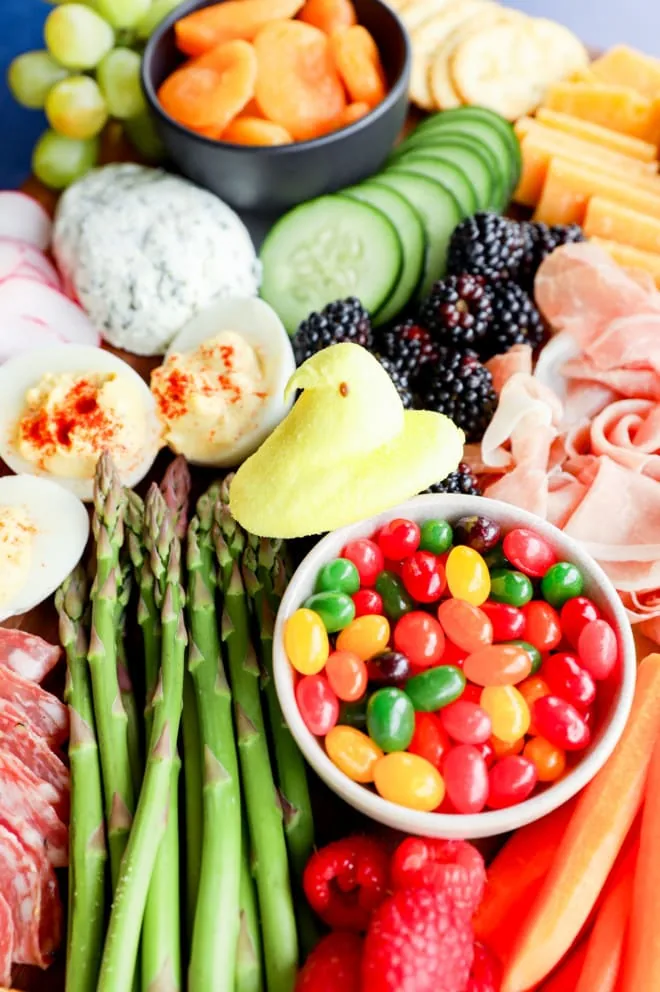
358,62
329,15
353,113
255,131
204,29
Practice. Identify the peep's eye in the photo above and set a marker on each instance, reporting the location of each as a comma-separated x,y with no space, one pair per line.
343,388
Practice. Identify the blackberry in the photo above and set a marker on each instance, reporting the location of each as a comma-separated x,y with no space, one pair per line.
460,387
458,311
400,380
541,241
462,482
343,320
486,245
516,320
407,346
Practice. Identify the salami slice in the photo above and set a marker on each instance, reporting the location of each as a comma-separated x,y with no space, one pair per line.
18,739
27,654
6,941
29,889
45,713
28,814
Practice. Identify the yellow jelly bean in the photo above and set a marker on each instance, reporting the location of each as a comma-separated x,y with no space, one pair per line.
353,753
365,636
409,780
306,642
508,712
468,577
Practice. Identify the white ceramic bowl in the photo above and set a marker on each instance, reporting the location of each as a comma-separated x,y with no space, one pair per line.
489,823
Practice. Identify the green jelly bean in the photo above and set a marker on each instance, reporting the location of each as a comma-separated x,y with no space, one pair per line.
562,582
495,558
533,652
390,719
335,609
339,575
436,536
435,688
396,600
509,586
354,715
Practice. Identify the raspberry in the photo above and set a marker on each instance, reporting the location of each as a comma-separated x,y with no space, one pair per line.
486,971
333,965
417,943
451,866
346,880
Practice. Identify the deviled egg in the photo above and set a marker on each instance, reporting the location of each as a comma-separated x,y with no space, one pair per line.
61,407
220,390
43,533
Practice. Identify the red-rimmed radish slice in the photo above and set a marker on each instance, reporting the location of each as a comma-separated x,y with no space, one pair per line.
24,219
38,302
18,334
20,259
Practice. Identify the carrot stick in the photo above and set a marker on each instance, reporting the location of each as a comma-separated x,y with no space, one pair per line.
641,971
603,816
566,976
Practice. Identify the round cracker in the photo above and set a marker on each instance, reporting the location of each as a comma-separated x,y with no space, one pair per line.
569,55
416,12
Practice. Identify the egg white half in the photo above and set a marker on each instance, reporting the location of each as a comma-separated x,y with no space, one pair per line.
24,371
61,524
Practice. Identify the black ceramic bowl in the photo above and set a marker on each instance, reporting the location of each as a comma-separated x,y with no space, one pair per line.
272,179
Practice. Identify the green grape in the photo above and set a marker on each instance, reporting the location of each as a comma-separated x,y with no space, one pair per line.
118,76
142,134
75,108
124,14
58,161
30,77
156,13
77,37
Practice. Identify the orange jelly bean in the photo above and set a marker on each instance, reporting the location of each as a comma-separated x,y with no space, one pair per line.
508,712
532,689
504,748
409,780
467,575
550,761
347,675
353,753
365,636
498,664
465,624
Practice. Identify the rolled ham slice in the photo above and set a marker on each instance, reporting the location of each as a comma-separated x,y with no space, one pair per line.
24,219
27,654
43,712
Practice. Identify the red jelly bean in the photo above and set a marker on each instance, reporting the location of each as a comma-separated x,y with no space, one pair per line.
466,778
472,693
487,752
367,558
399,538
508,621
575,614
511,780
318,704
528,552
419,636
466,722
424,577
430,739
560,723
453,655
567,679
542,625
465,625
598,648
368,602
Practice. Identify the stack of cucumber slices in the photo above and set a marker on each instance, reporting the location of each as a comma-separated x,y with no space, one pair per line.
385,240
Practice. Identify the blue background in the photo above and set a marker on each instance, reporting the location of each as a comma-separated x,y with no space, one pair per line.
598,22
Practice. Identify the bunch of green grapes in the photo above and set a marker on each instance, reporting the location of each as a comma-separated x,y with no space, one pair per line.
89,73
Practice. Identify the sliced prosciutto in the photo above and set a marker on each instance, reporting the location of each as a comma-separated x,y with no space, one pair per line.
29,891
23,218
28,815
19,740
27,654
45,713
6,941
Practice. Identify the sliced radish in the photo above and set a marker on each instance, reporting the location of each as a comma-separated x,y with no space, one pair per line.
18,258
18,334
23,218
38,302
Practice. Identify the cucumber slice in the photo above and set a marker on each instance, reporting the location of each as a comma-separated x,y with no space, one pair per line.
411,233
473,162
328,249
499,169
440,215
464,115
445,173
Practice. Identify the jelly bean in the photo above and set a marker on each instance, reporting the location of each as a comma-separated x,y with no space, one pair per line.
598,649
339,575
496,558
465,625
509,586
486,751
367,602
528,552
542,625
424,577
465,776
508,711
561,582
365,636
534,654
396,600
503,748
399,538
367,558
335,609
467,575
511,780
508,621
466,722
318,704
550,761
498,664
574,617
533,688
453,655
567,679
306,642
560,723
436,536
390,719
479,533
353,753
410,781
472,693
389,668
429,740
347,675
420,637
354,714
435,688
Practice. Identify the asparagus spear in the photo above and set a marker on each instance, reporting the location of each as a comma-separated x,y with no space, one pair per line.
111,719
88,853
249,971
125,680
